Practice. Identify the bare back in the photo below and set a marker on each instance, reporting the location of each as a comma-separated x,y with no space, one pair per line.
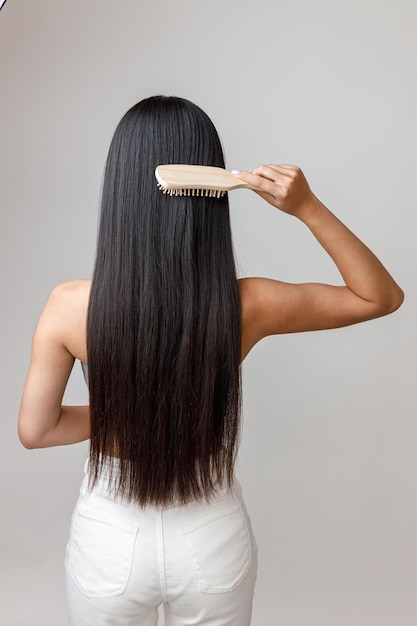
72,307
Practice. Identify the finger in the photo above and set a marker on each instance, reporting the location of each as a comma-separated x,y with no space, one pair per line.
270,171
262,183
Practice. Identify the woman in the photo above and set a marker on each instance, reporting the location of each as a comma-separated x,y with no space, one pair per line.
164,326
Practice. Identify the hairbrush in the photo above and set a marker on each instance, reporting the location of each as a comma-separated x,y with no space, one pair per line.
197,180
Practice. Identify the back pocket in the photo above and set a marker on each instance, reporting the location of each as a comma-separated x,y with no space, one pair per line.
219,549
100,552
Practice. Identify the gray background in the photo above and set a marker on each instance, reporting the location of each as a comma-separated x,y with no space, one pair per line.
328,459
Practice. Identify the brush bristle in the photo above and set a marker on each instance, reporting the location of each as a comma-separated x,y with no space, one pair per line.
207,193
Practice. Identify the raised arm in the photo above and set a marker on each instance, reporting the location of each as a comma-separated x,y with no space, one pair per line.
272,307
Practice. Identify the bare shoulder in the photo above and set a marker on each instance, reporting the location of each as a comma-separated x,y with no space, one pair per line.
248,291
271,307
254,288
65,316
73,292
69,299
254,294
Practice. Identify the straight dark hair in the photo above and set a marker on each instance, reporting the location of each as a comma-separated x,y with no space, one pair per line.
164,321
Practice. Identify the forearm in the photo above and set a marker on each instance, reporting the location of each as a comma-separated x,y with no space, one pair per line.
360,269
72,426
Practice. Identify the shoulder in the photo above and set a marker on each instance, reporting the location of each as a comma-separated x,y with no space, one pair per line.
255,293
271,307
71,292
64,316
254,287
68,299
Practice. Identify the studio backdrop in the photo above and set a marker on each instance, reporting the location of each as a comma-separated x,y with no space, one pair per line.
328,458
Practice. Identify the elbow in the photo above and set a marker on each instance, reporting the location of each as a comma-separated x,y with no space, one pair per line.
27,440
391,303
28,436
396,300
29,445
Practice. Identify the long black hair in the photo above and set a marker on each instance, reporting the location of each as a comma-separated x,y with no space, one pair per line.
164,323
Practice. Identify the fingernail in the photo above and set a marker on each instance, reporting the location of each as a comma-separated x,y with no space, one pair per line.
236,172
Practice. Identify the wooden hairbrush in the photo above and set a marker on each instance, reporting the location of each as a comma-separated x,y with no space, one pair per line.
197,180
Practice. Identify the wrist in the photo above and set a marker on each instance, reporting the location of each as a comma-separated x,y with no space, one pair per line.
311,210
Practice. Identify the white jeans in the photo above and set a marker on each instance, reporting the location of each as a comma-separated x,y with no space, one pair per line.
123,561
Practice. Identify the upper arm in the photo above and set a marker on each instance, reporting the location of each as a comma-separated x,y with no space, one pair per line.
272,307
49,370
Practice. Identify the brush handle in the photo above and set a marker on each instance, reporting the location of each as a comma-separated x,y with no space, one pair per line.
175,176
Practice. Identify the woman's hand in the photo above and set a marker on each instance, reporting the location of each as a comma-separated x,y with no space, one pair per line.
283,186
